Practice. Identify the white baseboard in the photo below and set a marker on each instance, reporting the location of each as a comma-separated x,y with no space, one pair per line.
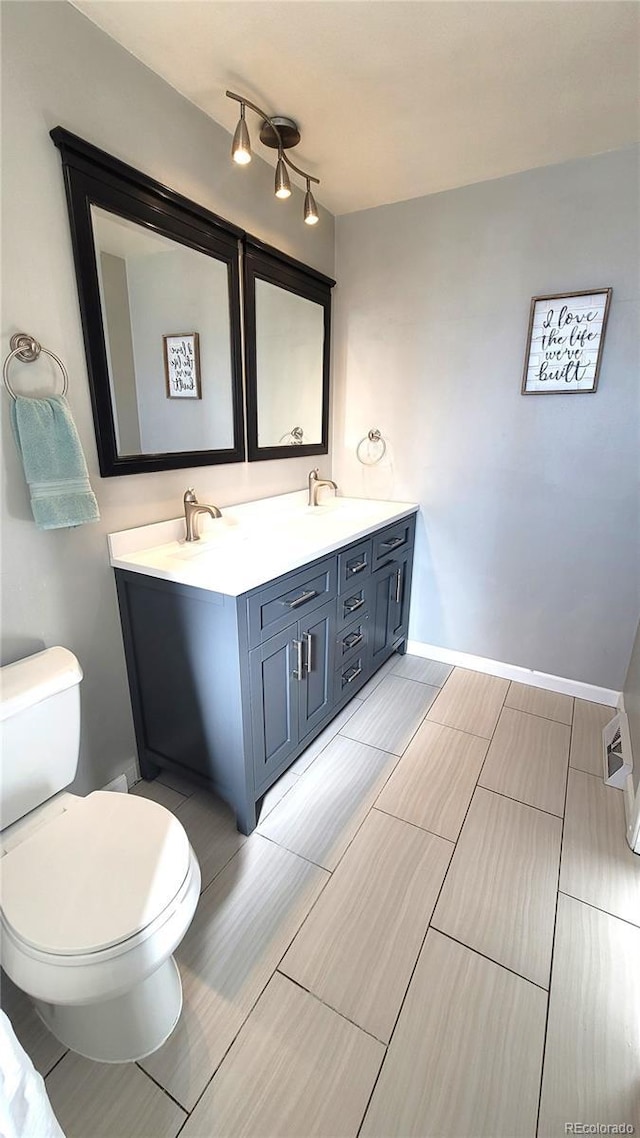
118,784
124,781
590,692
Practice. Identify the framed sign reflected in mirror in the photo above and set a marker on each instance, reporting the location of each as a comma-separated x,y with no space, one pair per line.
149,261
287,351
182,365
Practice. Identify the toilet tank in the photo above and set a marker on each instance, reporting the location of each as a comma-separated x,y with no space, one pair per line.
40,730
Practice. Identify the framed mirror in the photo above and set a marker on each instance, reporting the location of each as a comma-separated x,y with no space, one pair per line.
287,352
159,290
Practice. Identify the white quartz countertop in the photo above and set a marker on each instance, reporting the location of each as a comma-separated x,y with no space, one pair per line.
251,543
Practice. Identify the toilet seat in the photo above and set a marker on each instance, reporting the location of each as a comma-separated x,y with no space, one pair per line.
94,879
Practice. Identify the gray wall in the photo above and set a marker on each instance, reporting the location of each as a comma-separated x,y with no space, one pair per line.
528,552
57,587
632,707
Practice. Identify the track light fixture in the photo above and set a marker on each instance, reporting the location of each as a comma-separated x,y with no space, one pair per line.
281,134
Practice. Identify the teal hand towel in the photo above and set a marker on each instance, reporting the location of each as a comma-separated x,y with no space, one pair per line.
53,461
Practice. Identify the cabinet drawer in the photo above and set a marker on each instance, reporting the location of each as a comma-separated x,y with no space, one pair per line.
351,675
275,607
354,564
392,541
352,605
353,640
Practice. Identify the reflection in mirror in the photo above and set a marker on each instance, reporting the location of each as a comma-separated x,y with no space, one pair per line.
166,397
289,366
287,325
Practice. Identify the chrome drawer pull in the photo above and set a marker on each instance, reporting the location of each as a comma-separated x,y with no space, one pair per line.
398,584
299,669
302,599
352,605
356,568
353,639
393,543
309,639
349,678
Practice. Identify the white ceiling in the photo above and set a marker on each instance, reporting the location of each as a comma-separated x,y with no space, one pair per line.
400,98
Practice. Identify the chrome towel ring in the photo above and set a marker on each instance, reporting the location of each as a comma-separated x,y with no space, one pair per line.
27,349
376,448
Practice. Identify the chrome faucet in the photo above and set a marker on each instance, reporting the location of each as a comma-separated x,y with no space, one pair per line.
191,510
314,485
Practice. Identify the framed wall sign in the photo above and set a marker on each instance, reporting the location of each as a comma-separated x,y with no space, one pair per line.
182,365
564,345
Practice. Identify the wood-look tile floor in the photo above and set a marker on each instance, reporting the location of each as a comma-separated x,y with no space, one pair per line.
435,931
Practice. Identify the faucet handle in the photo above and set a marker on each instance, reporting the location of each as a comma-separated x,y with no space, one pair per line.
190,496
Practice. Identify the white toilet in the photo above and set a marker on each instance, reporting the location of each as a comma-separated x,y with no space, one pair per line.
96,892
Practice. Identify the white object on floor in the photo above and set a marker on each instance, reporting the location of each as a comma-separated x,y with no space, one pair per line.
97,892
25,1110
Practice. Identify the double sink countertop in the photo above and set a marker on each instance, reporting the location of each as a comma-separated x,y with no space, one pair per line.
253,542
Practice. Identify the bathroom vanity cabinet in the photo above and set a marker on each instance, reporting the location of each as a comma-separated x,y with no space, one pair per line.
231,689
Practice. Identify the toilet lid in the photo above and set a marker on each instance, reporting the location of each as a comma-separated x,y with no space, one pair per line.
95,875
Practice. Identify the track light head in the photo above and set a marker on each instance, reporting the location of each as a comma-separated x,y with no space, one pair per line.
311,215
241,146
283,185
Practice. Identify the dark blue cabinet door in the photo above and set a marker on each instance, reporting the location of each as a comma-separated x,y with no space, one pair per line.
383,584
274,702
318,634
390,595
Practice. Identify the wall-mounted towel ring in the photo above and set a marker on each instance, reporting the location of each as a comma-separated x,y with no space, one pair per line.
376,448
27,349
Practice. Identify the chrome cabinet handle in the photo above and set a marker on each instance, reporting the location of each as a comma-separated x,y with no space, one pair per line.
302,599
299,669
356,568
309,639
353,639
393,543
348,678
352,605
398,584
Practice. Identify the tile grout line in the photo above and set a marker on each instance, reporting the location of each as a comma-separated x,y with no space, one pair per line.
57,1062
491,959
598,909
422,943
543,1055
500,793
416,825
163,1089
536,715
330,1007
487,738
599,777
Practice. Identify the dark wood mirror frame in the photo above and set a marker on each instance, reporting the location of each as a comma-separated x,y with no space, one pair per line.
93,177
262,262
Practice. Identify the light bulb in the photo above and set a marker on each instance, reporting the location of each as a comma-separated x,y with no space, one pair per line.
283,185
241,145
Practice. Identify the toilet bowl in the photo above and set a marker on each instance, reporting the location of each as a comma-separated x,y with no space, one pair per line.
96,894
